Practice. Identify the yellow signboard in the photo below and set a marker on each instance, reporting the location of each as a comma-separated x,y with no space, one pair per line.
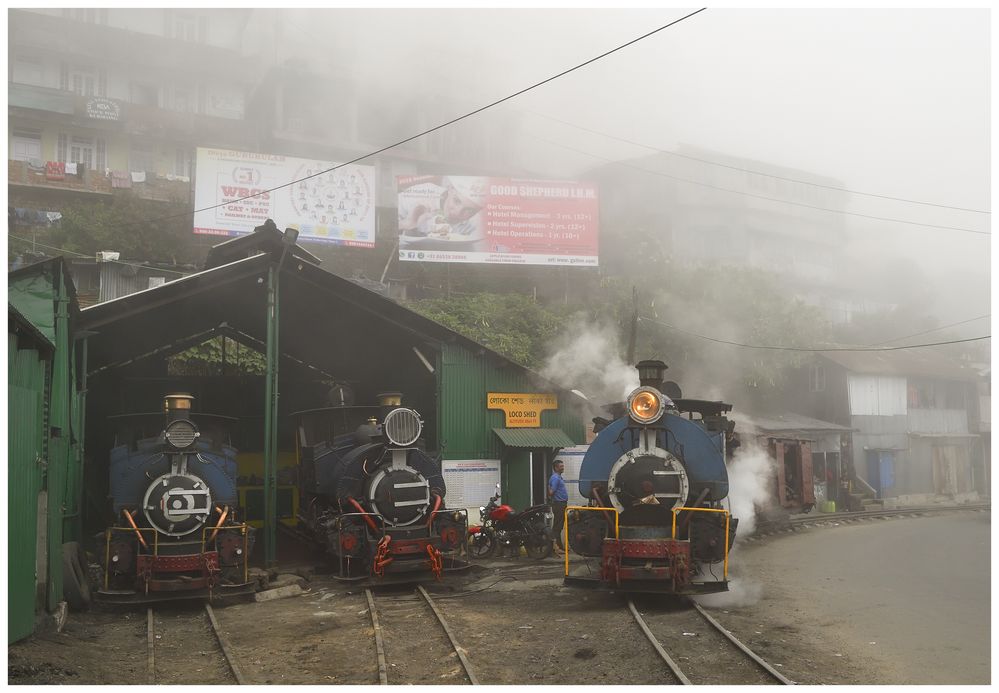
523,410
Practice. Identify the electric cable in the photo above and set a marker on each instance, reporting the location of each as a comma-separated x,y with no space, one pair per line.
73,252
748,170
812,349
428,131
935,329
761,197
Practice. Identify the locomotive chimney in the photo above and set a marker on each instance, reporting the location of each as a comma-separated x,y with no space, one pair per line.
177,406
651,374
387,401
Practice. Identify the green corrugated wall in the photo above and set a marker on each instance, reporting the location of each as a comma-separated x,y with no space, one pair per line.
26,368
43,296
466,426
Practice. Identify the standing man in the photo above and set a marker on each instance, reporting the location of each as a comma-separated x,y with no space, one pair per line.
558,496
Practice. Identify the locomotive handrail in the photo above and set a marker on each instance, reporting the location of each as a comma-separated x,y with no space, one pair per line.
565,526
708,510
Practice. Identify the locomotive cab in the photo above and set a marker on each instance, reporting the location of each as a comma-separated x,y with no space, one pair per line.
656,479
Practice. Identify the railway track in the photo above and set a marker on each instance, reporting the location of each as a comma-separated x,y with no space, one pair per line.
699,650
185,650
404,643
893,512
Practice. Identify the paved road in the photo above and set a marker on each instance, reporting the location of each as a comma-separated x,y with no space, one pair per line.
910,595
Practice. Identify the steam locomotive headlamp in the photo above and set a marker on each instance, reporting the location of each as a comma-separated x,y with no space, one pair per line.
402,427
181,434
645,405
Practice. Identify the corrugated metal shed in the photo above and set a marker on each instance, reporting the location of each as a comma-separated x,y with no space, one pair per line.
534,437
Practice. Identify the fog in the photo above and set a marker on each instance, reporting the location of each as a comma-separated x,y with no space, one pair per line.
881,103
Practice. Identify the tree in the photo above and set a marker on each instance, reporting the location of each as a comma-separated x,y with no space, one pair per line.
511,324
139,229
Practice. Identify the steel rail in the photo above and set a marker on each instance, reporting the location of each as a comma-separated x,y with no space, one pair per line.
226,648
227,653
738,643
459,650
658,645
864,514
379,643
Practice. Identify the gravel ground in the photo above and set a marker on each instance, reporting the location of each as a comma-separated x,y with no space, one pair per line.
514,618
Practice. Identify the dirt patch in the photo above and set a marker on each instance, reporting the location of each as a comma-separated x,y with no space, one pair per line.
515,619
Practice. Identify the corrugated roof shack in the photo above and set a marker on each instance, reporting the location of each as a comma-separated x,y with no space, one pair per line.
317,328
915,417
45,400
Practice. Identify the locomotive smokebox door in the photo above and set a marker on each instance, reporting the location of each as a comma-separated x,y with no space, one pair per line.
177,504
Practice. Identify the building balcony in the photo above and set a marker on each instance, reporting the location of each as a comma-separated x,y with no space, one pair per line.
20,173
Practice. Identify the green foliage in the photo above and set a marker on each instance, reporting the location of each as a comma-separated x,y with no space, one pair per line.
140,229
511,324
218,356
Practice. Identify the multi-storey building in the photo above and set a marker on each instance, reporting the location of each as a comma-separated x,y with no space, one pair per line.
107,99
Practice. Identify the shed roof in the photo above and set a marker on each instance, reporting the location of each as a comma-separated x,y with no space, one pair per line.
534,437
916,362
326,320
786,423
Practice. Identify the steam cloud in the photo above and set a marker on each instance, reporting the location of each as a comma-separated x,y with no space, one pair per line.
587,358
749,477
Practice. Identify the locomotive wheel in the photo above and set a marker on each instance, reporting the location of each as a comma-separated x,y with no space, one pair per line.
75,583
538,547
482,545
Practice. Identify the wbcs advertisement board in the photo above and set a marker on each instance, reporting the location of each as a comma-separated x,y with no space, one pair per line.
497,220
333,206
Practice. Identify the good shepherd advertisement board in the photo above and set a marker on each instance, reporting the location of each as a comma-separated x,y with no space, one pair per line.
334,206
497,220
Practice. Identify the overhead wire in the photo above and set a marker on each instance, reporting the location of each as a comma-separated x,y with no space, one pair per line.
749,170
430,130
73,252
935,329
811,349
761,197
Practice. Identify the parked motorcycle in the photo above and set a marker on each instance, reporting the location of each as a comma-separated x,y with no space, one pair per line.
503,527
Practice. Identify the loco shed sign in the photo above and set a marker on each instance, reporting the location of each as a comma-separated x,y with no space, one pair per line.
522,410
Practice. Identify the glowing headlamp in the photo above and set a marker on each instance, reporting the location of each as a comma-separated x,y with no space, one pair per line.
645,405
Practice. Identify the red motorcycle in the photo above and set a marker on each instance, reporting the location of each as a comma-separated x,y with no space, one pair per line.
503,527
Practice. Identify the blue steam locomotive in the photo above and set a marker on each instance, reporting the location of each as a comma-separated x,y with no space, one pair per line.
173,492
656,477
372,496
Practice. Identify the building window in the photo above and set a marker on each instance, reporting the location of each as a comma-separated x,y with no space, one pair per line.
81,150
81,80
182,162
185,27
144,94
817,379
28,70
141,157
25,145
90,16
102,154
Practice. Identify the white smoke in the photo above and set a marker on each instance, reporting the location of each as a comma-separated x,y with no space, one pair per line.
740,593
750,475
587,358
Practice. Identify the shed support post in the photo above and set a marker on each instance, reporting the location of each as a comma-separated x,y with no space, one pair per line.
271,420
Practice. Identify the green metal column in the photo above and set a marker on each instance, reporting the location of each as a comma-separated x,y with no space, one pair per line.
58,473
271,419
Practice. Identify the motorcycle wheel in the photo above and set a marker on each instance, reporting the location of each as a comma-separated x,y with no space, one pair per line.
538,547
482,545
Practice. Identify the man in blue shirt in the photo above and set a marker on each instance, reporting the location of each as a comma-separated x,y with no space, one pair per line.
558,496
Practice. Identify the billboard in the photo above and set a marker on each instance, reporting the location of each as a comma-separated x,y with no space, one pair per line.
332,206
497,220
